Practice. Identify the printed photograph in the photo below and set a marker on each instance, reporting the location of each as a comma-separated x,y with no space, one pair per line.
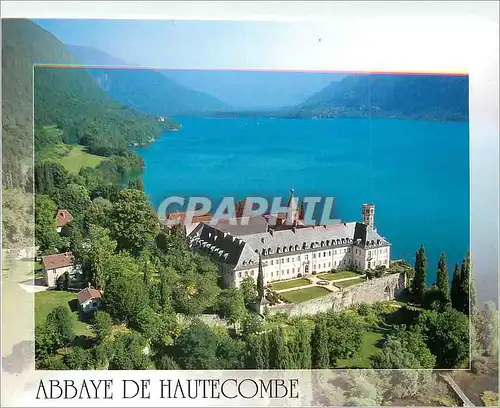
193,218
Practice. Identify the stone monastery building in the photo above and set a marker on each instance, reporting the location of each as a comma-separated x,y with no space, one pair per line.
287,252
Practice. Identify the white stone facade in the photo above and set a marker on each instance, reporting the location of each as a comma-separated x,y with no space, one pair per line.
51,275
292,252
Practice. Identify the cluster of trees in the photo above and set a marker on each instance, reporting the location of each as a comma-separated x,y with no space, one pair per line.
439,337
65,97
461,296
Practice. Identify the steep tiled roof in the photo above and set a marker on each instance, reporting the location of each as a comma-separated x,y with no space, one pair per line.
181,216
243,250
57,260
63,217
87,294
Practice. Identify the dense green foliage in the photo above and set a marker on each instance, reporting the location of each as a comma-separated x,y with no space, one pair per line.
447,336
461,287
420,273
443,279
70,99
66,97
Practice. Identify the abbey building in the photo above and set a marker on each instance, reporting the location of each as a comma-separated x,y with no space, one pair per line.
287,252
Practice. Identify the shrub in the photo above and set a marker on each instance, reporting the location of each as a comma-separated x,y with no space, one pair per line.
363,309
370,275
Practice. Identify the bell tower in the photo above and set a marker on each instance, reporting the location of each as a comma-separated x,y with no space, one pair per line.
368,215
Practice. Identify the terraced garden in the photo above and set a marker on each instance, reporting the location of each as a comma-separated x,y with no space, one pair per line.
350,282
337,275
301,295
288,284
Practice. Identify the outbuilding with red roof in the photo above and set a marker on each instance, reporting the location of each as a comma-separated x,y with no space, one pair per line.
89,299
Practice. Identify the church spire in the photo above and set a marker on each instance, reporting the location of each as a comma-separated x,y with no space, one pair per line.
293,211
290,200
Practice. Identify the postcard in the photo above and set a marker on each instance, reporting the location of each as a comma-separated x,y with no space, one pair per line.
206,212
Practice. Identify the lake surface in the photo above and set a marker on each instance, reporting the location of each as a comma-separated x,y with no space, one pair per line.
415,172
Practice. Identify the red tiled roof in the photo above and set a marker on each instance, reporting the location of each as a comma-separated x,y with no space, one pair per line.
63,217
87,294
57,260
181,216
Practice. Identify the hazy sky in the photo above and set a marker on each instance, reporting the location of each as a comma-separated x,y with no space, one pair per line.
198,44
340,44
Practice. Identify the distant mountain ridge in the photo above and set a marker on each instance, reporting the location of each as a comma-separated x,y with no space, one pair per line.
434,97
146,90
426,97
93,56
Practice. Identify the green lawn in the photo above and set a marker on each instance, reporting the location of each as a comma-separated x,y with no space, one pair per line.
301,295
349,282
46,301
369,346
79,158
337,275
294,283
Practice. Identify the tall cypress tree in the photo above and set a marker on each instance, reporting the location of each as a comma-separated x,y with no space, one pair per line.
443,279
304,337
420,273
464,284
320,352
455,289
264,338
256,358
260,280
300,347
279,355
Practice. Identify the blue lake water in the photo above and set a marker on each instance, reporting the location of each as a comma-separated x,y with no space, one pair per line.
415,172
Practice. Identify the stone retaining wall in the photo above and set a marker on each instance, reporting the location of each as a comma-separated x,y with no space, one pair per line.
376,290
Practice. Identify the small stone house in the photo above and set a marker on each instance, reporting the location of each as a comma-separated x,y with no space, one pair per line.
62,218
89,300
56,265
